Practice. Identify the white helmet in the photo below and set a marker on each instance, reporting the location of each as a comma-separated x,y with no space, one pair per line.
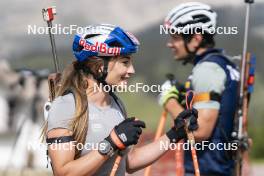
191,15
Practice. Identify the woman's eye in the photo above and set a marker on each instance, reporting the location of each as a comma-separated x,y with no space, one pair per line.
126,62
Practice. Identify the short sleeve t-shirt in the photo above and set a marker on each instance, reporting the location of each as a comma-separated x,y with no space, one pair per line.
101,121
207,77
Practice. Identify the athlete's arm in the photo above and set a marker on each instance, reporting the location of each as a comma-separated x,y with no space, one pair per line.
206,119
123,135
141,157
206,77
62,154
62,157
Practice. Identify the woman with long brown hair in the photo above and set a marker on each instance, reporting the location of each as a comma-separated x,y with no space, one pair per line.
87,127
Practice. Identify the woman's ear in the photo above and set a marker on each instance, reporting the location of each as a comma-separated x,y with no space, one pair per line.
99,64
101,68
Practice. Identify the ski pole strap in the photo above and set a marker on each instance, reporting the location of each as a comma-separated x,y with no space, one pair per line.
207,96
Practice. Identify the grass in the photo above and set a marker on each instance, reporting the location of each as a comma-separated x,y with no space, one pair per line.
257,161
144,107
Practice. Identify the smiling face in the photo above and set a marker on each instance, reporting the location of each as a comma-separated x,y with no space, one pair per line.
176,44
120,69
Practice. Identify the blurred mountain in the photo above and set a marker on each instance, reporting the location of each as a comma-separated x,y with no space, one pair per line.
134,16
153,50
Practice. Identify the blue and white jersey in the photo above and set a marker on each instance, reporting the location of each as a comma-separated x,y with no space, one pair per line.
214,72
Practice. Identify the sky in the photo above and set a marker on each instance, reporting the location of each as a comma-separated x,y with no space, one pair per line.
132,15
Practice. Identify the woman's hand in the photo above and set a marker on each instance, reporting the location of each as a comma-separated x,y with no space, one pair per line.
126,133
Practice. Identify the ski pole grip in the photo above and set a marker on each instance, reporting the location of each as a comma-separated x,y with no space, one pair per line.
49,13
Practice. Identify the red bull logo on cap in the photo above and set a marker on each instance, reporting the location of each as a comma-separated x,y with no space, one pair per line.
100,48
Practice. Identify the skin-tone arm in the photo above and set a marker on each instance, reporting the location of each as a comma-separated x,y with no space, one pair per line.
63,157
152,152
141,157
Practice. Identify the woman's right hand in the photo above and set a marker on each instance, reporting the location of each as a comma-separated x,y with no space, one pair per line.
126,133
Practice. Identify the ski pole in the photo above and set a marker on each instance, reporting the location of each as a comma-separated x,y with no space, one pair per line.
190,135
243,67
48,16
243,71
240,123
179,153
116,164
117,161
159,131
179,159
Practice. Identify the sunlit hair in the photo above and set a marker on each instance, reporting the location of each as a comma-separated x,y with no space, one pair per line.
73,80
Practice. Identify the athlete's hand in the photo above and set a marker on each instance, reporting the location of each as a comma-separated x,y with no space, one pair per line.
187,117
171,89
126,133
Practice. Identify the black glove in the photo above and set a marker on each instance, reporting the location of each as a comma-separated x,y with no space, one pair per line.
187,117
126,133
